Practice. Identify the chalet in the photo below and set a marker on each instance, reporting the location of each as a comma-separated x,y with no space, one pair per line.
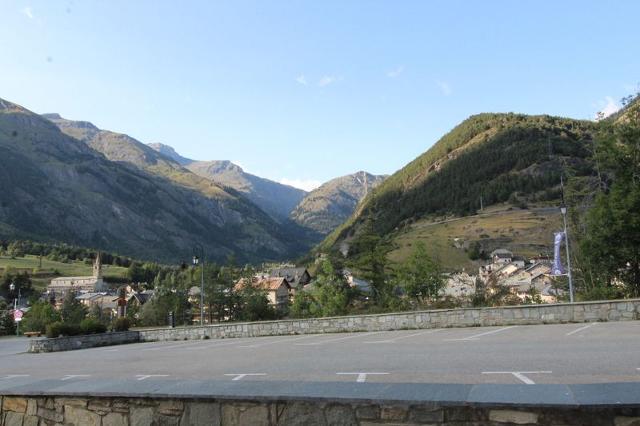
501,256
276,288
296,277
139,298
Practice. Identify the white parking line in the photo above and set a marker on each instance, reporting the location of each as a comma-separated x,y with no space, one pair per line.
404,337
338,339
240,376
74,376
362,377
486,333
146,376
519,375
281,341
214,345
578,330
14,376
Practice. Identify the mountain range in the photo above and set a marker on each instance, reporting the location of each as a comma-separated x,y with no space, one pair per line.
69,181
320,210
58,188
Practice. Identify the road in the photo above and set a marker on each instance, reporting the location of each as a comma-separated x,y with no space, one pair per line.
537,354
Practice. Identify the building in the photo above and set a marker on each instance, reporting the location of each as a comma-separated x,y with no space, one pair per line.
277,289
296,277
91,284
501,256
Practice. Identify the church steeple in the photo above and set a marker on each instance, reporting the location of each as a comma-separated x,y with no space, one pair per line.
97,266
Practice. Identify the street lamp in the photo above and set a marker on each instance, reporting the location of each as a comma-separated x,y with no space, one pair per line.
563,210
196,261
16,301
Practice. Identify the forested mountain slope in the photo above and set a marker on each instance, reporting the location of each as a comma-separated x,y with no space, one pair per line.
495,158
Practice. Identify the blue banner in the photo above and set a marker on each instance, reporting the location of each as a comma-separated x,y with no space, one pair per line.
557,268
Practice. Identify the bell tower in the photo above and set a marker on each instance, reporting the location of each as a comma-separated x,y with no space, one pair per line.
97,266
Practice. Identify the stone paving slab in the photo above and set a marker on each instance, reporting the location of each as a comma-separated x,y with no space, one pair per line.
601,395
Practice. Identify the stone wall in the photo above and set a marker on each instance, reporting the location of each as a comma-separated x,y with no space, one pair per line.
83,342
96,411
617,310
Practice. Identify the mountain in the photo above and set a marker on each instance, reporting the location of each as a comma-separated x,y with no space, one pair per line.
58,188
274,198
168,151
502,161
329,205
124,149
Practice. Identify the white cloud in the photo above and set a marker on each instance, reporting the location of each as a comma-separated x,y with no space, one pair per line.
327,80
607,107
28,12
444,87
396,71
306,184
302,79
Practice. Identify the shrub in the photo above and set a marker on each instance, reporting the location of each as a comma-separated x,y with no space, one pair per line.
121,324
58,329
92,326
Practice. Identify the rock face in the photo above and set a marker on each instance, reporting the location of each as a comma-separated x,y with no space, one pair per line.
274,198
328,206
58,188
168,151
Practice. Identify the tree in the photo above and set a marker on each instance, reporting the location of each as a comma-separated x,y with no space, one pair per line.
329,295
420,276
304,305
39,316
7,324
612,242
371,260
72,311
254,305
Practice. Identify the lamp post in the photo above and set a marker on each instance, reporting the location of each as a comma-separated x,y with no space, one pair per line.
196,261
563,210
16,302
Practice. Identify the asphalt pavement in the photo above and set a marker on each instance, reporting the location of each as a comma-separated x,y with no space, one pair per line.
565,354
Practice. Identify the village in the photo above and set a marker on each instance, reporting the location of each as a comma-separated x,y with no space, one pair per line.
525,279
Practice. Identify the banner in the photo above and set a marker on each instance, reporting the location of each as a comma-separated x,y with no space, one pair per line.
557,268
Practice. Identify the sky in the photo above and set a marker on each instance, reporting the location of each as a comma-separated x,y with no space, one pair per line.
304,91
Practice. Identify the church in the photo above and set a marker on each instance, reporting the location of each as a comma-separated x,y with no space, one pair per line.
92,284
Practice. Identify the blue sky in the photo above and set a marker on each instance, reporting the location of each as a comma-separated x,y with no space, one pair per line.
304,91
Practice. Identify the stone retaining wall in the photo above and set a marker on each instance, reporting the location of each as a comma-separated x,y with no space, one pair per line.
82,342
616,310
95,411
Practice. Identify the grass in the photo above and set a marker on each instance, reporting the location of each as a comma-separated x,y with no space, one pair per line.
51,268
525,232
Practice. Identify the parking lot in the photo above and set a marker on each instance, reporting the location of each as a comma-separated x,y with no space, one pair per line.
537,354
